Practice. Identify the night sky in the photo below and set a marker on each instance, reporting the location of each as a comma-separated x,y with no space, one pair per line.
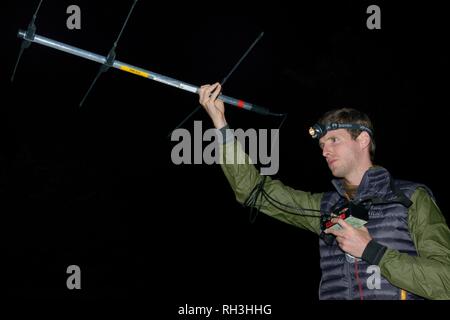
95,186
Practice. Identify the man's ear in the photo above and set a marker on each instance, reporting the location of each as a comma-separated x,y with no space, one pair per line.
364,139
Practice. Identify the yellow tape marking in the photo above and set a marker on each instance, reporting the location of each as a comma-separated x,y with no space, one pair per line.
402,294
135,71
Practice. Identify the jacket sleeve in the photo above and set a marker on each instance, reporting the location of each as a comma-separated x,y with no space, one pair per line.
428,274
243,177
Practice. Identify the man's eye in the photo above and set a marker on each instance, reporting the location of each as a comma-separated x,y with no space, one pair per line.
333,139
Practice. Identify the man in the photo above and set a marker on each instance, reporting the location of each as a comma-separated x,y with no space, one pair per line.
404,237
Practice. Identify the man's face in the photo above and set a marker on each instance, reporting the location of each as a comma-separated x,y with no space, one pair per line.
341,152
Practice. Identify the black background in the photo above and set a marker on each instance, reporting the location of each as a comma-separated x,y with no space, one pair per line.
96,186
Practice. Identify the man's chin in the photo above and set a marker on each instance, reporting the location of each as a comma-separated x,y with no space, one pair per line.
336,174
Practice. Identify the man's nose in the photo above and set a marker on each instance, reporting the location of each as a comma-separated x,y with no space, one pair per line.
325,151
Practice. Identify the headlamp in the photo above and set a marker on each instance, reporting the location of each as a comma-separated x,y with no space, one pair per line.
318,130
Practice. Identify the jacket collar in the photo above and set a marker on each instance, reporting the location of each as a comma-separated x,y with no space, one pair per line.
376,182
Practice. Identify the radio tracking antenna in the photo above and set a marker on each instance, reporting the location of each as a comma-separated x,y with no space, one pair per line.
110,60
